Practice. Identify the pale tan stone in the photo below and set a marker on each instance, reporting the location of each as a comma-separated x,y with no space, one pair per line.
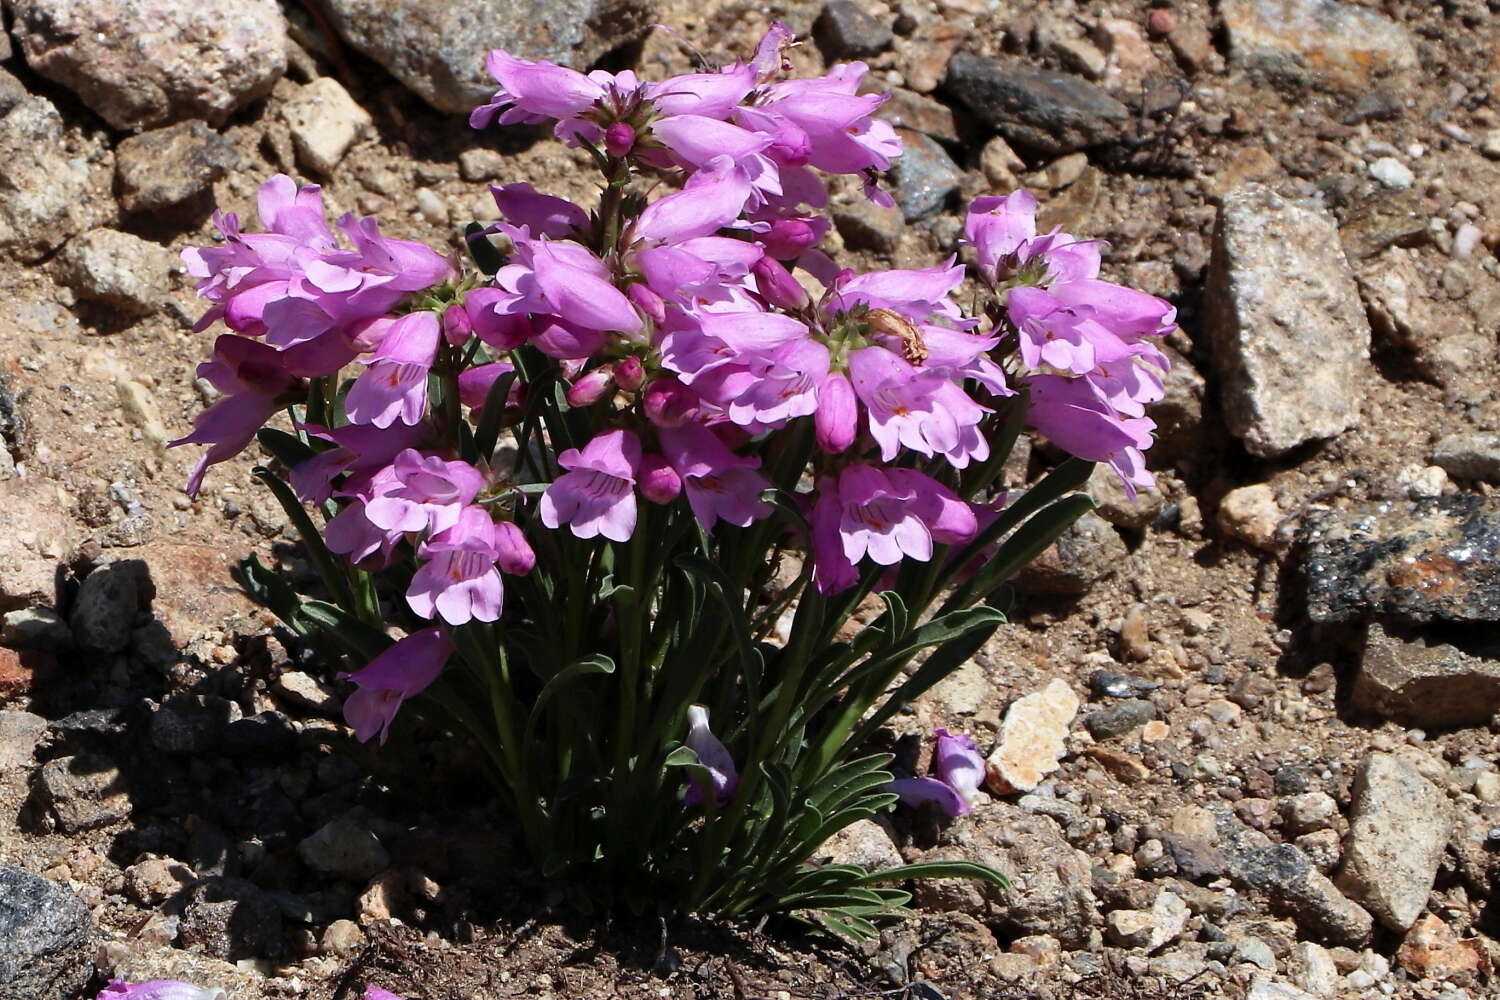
1031,738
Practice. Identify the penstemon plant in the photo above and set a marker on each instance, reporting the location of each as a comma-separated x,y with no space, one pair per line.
610,496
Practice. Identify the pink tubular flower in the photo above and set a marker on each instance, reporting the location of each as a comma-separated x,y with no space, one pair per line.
359,449
393,385
597,495
158,989
724,778
543,215
1080,420
836,420
459,582
351,535
1003,233
532,92
957,763
250,375
926,413
720,485
404,670
422,493
659,482
376,993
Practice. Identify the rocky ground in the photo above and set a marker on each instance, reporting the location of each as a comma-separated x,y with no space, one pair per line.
1244,730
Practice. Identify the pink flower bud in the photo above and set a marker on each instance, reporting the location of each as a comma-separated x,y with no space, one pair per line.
456,325
630,374
514,551
619,139
787,238
658,481
836,419
668,402
777,286
648,302
591,387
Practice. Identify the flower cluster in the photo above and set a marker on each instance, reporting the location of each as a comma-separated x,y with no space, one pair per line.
684,333
957,772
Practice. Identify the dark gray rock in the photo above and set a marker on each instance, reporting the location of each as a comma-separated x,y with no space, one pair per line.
1286,878
923,177
1119,718
865,225
437,48
82,792
45,933
845,31
1086,552
104,614
344,849
1111,684
1431,560
188,723
171,168
1054,113
1288,331
1469,456
1424,683
910,110
1398,826
231,919
12,92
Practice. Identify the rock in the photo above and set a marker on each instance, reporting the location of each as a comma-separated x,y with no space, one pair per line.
1469,456
919,113
265,736
1135,634
119,270
1313,970
82,792
480,164
1323,848
1031,739
189,723
1287,329
845,31
1430,560
1119,718
1265,988
1432,951
1000,164
344,849
1149,930
45,194
1423,683
36,627
143,63
46,932
1303,42
1251,515
341,939
107,604
172,168
1089,550
1254,951
866,843
155,880
1051,890
1398,826
1291,885
437,48
923,177
138,405
325,121
231,919
20,732
1054,113
1119,509
1308,811
865,225
1109,684
1179,413
195,594
305,691
1392,173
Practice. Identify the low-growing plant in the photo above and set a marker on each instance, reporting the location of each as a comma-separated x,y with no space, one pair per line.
611,496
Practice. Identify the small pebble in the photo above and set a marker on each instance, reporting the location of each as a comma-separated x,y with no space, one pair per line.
1392,173
432,206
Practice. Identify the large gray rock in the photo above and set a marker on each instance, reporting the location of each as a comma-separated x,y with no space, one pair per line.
44,192
1051,112
1399,825
924,175
1315,41
437,47
142,63
170,167
82,792
344,849
1469,456
104,613
117,269
1432,560
1288,331
44,939
1426,683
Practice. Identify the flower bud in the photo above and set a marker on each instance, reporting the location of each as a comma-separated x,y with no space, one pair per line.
630,374
457,326
777,286
668,402
515,555
648,302
619,139
657,480
787,238
502,331
836,419
591,387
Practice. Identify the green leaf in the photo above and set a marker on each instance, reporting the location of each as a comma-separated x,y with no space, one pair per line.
492,414
363,642
331,572
486,257
269,589
288,449
589,666
938,869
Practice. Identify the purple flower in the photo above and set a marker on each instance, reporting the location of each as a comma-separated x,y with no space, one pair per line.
916,792
659,482
1080,420
565,280
542,214
1003,233
158,989
459,582
422,493
376,993
351,534
957,763
597,495
714,756
393,385
250,375
712,95
720,485
406,669
532,92
926,413
359,449
836,420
